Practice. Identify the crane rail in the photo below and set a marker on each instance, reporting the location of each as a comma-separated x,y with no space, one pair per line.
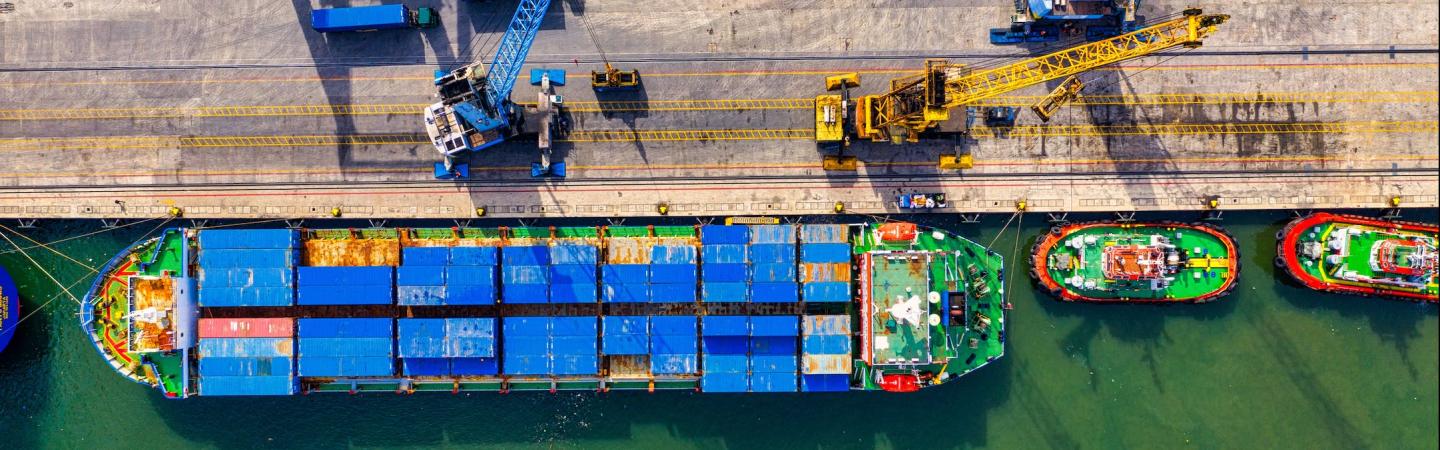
162,142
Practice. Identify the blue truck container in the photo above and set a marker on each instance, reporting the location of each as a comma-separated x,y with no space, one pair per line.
420,275
371,18
772,253
356,327
245,277
837,291
724,254
626,293
425,367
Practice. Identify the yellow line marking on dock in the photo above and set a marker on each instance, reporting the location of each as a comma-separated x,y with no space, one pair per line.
160,142
704,105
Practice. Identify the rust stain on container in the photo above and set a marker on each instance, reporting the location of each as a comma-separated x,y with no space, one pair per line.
822,272
351,252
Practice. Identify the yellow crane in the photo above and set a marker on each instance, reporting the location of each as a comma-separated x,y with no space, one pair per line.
921,103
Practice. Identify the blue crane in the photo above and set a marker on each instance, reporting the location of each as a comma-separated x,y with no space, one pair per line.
475,111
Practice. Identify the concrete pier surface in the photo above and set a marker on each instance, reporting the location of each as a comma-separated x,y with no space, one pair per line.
238,109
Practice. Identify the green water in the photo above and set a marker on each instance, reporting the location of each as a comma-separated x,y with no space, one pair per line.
1273,366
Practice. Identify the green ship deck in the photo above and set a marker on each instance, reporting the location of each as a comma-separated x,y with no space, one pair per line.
1157,263
1359,255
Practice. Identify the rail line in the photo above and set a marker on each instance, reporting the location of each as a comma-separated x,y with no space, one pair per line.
160,112
601,136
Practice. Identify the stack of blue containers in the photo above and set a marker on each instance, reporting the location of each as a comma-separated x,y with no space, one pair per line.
673,348
625,277
827,354
774,356
542,346
247,267
572,273
625,335
246,366
772,264
726,345
526,274
673,273
346,347
726,270
825,263
430,276
346,285
447,347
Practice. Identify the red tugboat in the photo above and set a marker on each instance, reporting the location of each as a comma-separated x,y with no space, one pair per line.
1360,255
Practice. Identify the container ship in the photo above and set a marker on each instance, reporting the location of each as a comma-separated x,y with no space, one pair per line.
1359,255
712,308
9,308
1135,262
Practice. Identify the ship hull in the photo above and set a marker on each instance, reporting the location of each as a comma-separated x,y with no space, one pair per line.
1313,273
1060,267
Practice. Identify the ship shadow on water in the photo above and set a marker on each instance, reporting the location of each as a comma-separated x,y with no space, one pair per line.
1395,321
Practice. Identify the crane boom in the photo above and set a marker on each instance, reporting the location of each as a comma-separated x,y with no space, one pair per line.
917,103
513,49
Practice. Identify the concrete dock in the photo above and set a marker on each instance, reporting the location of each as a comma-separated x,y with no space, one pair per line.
238,109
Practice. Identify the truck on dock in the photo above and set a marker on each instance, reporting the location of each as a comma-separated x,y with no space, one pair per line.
372,18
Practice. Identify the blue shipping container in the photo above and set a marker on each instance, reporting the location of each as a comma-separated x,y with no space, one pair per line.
774,345
228,258
248,239
469,347
673,364
724,382
775,326
356,327
525,326
724,292
826,344
420,276
836,291
673,274
724,234
470,275
245,296
527,293
774,292
344,295
535,255
824,233
246,366
425,367
474,256
246,277
726,345
421,295
772,273
773,382
576,365
772,253
247,347
722,273
573,274
353,366
575,326
725,325
475,366
725,254
626,293
526,364
672,254
573,293
825,383
673,325
457,294
625,273
222,386
470,327
825,253
525,275
674,344
343,347
672,293
575,254
346,276
726,364
424,256
772,234
775,363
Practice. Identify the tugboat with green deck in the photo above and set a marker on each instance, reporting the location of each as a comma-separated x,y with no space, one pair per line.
1163,262
1349,254
758,308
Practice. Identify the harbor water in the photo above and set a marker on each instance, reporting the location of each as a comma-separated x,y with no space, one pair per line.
1272,366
